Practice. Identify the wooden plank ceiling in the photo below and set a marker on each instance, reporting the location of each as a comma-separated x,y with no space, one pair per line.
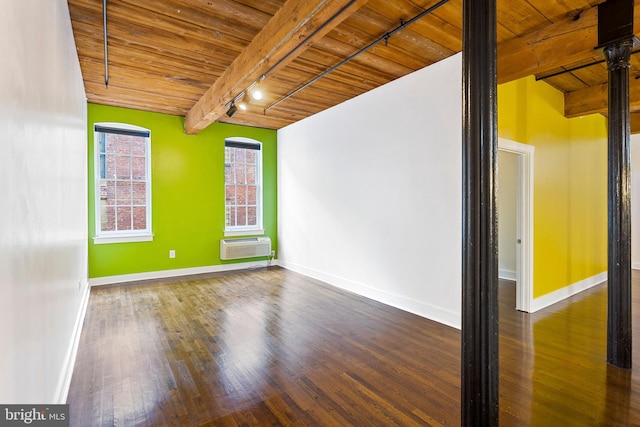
192,57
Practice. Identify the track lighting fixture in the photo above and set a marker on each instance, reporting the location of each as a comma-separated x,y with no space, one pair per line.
232,109
242,100
256,93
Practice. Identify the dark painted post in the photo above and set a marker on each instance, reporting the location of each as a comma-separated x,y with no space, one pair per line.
615,36
479,229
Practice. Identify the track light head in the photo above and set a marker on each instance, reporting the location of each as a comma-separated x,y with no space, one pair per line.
232,109
257,94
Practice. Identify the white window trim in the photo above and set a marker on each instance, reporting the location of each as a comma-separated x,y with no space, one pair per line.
244,232
259,229
129,236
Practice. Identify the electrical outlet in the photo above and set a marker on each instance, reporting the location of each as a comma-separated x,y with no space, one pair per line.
172,253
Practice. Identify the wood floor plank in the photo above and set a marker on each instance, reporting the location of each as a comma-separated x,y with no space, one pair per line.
272,347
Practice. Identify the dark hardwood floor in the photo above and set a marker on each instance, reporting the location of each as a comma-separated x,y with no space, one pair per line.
272,347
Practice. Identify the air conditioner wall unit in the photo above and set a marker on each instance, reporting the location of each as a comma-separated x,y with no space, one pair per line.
245,248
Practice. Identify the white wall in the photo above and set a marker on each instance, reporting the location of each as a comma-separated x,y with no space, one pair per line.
369,193
507,213
635,201
43,210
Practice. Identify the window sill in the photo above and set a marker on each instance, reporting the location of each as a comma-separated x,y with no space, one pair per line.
253,232
101,240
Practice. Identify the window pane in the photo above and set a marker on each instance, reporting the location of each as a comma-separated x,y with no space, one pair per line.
252,217
240,174
232,217
251,156
241,195
107,218
139,195
138,168
251,174
123,167
139,218
123,146
241,216
108,192
251,195
230,196
124,218
103,166
123,193
102,143
111,143
240,155
110,167
228,174
138,146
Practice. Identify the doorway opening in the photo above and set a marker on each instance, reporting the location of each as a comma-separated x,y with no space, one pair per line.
517,264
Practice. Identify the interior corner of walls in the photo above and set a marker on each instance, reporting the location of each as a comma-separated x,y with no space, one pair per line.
507,274
419,308
179,272
561,294
64,382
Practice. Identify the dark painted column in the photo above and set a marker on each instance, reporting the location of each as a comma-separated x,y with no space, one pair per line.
619,195
479,229
616,39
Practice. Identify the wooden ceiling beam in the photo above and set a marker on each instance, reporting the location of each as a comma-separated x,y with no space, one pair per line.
295,22
635,123
594,99
565,42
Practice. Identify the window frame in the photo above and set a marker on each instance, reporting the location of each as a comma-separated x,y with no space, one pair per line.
243,230
120,236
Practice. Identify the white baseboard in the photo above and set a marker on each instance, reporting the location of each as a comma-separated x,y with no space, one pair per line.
412,306
564,293
635,265
62,390
507,274
124,278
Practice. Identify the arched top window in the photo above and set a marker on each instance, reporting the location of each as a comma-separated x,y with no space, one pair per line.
122,172
243,186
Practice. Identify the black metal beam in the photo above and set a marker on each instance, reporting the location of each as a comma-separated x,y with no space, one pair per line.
619,204
479,232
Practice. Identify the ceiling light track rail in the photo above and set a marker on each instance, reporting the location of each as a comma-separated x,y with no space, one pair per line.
384,38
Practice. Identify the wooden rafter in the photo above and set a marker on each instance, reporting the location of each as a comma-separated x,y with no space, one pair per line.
296,21
568,41
594,100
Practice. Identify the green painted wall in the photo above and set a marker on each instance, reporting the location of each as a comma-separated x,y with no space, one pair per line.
570,182
187,194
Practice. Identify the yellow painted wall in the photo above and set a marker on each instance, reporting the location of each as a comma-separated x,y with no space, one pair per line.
570,182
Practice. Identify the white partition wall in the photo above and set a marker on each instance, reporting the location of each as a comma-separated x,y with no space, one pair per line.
369,193
43,214
635,201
